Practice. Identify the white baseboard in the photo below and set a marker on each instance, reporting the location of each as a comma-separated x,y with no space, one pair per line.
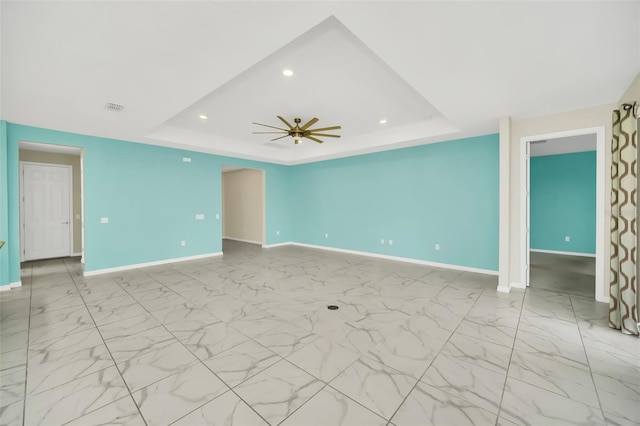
242,241
276,245
504,288
76,254
401,259
517,285
144,265
9,286
566,253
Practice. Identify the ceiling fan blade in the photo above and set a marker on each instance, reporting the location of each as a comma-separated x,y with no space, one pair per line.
285,136
325,128
285,122
310,123
324,135
273,127
313,139
266,133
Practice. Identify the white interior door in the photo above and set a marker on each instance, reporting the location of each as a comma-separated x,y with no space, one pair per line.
46,211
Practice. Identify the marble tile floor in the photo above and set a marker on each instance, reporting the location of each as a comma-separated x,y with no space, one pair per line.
563,273
246,339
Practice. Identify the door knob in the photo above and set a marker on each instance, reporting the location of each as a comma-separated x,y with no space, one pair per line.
65,223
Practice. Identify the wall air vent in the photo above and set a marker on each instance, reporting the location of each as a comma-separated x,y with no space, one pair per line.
111,106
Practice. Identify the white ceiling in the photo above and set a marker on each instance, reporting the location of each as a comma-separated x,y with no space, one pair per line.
434,70
565,145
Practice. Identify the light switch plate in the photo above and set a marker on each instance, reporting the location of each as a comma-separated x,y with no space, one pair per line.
104,220
217,216
200,216
186,159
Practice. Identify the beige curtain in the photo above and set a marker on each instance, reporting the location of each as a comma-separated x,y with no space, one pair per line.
623,305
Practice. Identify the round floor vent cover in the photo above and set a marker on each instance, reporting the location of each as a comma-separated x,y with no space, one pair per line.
332,307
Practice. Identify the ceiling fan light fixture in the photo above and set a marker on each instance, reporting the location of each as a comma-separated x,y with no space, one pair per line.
287,72
297,140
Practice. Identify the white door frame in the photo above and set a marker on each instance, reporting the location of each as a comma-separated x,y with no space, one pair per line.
71,216
600,207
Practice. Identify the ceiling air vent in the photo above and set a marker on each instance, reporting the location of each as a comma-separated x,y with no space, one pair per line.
111,106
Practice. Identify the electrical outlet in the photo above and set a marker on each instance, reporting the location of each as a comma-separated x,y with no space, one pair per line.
437,246
104,220
381,240
277,232
326,235
567,239
217,215
390,242
183,243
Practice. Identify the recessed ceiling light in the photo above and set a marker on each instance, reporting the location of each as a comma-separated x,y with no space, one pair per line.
287,72
383,121
203,117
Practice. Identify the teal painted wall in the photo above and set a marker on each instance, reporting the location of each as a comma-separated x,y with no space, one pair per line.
563,202
149,195
445,193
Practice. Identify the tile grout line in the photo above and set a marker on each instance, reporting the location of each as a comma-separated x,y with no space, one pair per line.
584,348
26,368
513,348
115,365
434,358
195,363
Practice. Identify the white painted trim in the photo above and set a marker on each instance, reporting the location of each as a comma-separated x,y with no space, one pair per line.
600,207
504,288
401,259
503,233
9,286
517,285
276,245
524,213
242,241
146,264
76,254
565,253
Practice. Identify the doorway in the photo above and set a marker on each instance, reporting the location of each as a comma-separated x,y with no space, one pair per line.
243,205
551,256
50,201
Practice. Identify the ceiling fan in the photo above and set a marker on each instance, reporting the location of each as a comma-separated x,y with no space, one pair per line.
298,132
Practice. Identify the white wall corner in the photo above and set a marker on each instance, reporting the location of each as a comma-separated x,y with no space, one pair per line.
503,230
